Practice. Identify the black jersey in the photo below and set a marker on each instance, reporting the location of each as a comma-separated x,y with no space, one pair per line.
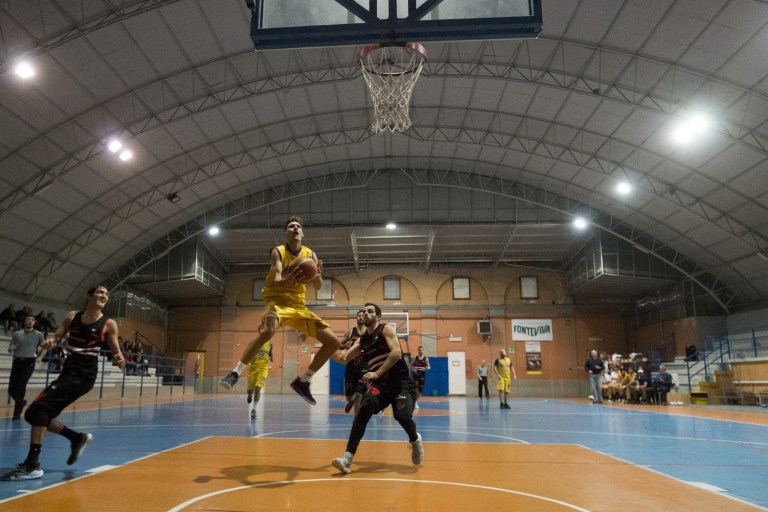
419,364
359,359
376,350
84,342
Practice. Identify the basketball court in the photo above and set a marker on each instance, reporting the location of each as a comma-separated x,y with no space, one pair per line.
542,455
195,453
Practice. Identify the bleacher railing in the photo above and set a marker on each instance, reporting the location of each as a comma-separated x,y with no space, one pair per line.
718,354
160,376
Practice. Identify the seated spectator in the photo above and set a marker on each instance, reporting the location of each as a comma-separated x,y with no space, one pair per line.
628,380
52,321
663,385
55,357
8,319
640,389
42,324
611,383
691,354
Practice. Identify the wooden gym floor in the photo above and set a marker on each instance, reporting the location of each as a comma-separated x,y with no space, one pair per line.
205,453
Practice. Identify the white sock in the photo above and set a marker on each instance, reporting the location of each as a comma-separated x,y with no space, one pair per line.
307,376
239,368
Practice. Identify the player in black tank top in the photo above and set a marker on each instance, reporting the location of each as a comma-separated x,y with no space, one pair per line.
389,383
87,330
354,389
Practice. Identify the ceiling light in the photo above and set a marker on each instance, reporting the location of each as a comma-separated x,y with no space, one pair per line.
114,145
24,70
691,127
580,223
126,155
214,230
624,188
391,225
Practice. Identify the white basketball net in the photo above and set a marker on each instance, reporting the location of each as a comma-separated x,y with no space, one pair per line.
390,73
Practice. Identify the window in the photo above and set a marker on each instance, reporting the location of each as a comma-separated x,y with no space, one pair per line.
391,288
326,290
529,287
460,287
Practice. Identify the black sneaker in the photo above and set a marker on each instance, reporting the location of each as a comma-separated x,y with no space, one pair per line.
78,447
249,398
302,388
229,381
23,472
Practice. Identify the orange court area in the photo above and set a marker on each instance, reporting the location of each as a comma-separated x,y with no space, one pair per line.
235,474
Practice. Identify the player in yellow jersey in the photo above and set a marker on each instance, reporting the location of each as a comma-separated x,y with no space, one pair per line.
257,375
503,369
286,305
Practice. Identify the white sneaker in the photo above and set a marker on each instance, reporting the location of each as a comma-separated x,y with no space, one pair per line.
343,463
417,450
416,406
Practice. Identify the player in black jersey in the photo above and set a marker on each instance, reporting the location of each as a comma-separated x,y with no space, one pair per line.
354,388
88,330
389,383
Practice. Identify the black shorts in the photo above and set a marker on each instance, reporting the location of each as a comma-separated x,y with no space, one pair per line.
400,395
73,383
419,378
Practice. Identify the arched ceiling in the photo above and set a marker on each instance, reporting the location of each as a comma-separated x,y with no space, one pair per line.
510,139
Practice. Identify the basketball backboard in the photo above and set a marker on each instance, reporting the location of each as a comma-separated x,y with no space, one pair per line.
307,23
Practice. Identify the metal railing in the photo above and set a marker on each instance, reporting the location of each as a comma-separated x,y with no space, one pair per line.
161,376
719,354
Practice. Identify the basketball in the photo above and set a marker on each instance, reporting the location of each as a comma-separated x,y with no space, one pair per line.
306,270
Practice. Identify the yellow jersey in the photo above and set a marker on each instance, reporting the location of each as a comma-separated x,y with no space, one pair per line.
280,293
502,367
261,360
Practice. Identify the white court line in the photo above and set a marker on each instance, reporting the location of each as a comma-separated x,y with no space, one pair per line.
90,472
187,503
699,485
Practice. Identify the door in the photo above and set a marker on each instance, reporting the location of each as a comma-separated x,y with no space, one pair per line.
457,373
321,380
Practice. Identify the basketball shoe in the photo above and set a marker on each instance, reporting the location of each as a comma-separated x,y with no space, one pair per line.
78,447
343,463
417,450
23,472
302,389
229,381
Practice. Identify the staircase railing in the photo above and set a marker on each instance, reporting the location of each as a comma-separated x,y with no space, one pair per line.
719,354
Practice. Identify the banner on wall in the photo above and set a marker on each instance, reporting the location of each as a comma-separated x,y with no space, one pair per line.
532,330
533,357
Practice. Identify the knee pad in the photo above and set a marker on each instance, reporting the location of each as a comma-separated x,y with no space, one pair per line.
37,416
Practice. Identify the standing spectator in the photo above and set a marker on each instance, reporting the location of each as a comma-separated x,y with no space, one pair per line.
389,383
663,385
8,318
594,367
482,380
503,369
25,347
419,366
88,329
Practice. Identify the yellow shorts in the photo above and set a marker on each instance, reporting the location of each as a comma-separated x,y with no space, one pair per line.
257,376
503,384
296,317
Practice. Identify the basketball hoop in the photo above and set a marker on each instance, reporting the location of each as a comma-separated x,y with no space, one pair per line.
390,73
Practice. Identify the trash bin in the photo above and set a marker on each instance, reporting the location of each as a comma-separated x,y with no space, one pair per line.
434,392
